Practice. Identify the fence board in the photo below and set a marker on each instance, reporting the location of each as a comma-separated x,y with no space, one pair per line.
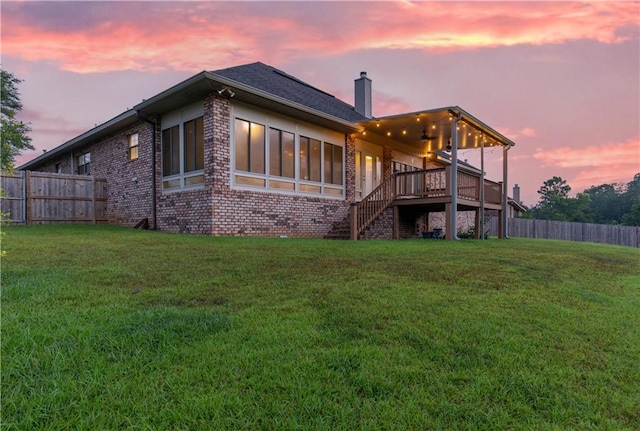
54,198
13,197
570,231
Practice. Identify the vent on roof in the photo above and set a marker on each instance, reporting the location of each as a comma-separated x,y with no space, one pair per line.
363,95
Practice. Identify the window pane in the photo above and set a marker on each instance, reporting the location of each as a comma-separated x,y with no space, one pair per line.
288,161
256,154
284,185
275,154
189,146
171,184
337,165
315,162
199,143
245,181
242,145
328,163
309,189
175,150
304,158
191,181
166,152
133,146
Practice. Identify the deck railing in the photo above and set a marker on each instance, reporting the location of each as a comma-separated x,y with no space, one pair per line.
419,184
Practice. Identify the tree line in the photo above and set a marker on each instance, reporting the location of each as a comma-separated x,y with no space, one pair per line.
615,203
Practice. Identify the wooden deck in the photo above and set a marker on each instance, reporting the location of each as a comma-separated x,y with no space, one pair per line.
428,188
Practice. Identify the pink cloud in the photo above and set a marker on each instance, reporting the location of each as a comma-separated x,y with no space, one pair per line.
200,35
595,164
527,132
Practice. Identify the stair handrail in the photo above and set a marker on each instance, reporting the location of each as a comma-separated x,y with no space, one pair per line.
372,205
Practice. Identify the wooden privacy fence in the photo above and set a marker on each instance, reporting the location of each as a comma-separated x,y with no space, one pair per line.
570,231
43,198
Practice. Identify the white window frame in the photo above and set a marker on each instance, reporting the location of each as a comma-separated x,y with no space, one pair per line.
183,180
242,180
130,140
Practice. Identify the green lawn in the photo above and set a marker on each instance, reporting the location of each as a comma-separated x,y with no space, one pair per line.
109,328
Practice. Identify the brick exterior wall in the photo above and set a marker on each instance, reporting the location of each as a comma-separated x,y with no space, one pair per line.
129,183
217,208
262,213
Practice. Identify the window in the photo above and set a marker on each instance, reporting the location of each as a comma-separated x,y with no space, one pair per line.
281,160
249,146
183,155
58,168
193,145
268,154
332,164
171,151
133,147
84,164
310,161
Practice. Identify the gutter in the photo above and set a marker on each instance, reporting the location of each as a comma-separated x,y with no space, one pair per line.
465,116
147,120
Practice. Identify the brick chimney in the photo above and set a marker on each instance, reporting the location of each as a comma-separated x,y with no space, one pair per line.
363,95
516,193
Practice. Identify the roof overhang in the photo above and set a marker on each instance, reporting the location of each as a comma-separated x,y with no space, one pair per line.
435,124
104,130
196,88
206,83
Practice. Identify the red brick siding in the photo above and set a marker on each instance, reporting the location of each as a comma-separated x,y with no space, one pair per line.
129,186
215,209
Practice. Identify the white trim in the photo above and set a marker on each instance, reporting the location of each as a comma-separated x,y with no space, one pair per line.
173,119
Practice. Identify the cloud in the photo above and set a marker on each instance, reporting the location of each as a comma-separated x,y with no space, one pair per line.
595,164
527,132
88,37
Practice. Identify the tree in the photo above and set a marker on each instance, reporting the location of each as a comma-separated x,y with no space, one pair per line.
13,133
554,203
553,190
632,200
607,203
603,204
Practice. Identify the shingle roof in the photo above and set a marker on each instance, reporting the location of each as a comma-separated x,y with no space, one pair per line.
279,83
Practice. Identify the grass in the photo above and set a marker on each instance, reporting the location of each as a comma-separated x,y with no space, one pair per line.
109,328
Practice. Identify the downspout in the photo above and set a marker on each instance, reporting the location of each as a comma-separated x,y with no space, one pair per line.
147,120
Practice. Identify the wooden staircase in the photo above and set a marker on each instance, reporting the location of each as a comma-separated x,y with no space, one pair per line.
369,209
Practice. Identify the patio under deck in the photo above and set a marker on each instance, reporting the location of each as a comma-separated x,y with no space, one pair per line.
429,191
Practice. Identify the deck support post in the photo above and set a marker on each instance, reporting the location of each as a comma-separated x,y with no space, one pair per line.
480,226
452,212
505,191
354,221
396,222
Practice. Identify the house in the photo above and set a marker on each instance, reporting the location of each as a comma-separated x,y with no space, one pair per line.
252,150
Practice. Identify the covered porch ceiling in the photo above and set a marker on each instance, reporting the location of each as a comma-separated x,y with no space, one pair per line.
430,130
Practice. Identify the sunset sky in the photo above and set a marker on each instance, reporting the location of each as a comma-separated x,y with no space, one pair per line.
561,79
